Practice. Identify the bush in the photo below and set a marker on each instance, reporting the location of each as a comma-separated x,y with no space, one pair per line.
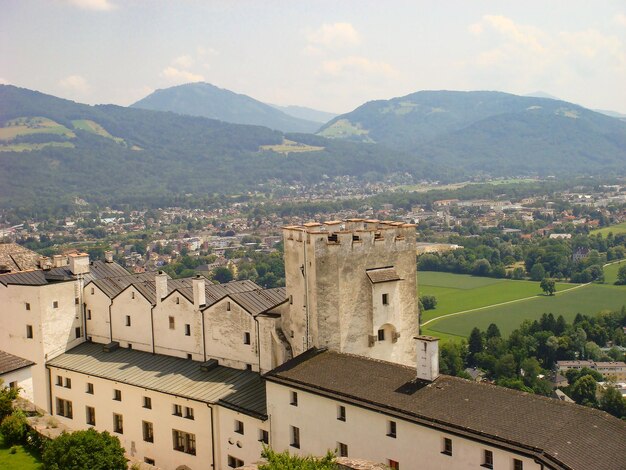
84,449
14,427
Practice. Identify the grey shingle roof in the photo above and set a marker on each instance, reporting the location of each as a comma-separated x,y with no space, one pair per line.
18,258
241,390
383,275
261,300
562,435
40,277
10,363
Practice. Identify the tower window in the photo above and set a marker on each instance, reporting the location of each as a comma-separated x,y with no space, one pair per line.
55,304
381,335
246,338
385,299
239,427
172,323
187,329
127,320
27,306
29,331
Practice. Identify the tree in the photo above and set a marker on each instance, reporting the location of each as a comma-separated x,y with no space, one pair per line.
451,358
476,345
621,276
7,395
548,286
537,273
222,275
584,391
612,402
493,331
285,461
506,366
429,302
14,427
84,449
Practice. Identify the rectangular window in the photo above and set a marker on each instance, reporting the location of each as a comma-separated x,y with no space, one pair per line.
68,382
172,323
77,332
130,345
148,432
518,464
381,335
27,306
234,462
89,388
228,306
76,301
29,331
93,291
55,304
294,432
264,436
187,329
91,415
64,408
59,381
132,295
127,320
238,426
393,464
117,395
118,423
89,314
341,413
391,429
177,410
293,398
385,299
487,459
149,461
184,442
342,449
447,446
189,356
147,403
189,413
246,338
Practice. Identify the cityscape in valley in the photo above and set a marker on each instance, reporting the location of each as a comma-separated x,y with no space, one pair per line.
416,277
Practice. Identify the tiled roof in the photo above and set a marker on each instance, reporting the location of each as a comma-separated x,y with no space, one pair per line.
240,390
9,363
383,275
17,258
562,435
41,277
261,300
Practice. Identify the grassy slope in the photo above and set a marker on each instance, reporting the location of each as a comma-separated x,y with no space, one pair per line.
23,459
618,228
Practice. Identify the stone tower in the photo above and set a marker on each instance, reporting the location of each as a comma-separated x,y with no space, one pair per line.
352,288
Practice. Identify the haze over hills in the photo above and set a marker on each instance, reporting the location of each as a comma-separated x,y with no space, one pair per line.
309,114
206,100
490,132
56,149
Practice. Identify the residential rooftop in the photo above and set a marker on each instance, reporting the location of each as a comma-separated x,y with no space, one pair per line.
11,363
561,435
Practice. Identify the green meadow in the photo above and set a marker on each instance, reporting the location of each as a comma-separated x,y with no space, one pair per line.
617,228
22,459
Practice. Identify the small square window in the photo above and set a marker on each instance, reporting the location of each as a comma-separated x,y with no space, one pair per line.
189,356
189,413
172,323
27,306
341,413
187,329
264,436
117,395
293,398
77,332
55,304
487,459
295,436
177,410
127,320
248,366
234,462
59,381
29,331
91,415
246,338
76,301
385,299
89,388
447,446
391,429
147,403
381,335
238,426
342,449
130,346
393,464
518,464
68,382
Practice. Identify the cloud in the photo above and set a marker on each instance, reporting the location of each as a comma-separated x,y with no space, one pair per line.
526,36
184,61
176,75
96,5
354,65
75,84
620,19
334,35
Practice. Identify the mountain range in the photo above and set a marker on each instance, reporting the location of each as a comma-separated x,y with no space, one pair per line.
206,100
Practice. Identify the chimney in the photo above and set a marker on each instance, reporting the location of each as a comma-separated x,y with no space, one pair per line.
45,263
160,284
79,263
427,357
108,256
57,261
199,294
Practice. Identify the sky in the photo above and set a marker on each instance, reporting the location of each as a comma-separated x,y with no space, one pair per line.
328,55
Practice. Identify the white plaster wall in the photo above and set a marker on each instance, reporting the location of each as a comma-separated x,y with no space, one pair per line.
131,408
246,446
59,324
174,342
98,326
365,433
139,333
224,335
24,379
